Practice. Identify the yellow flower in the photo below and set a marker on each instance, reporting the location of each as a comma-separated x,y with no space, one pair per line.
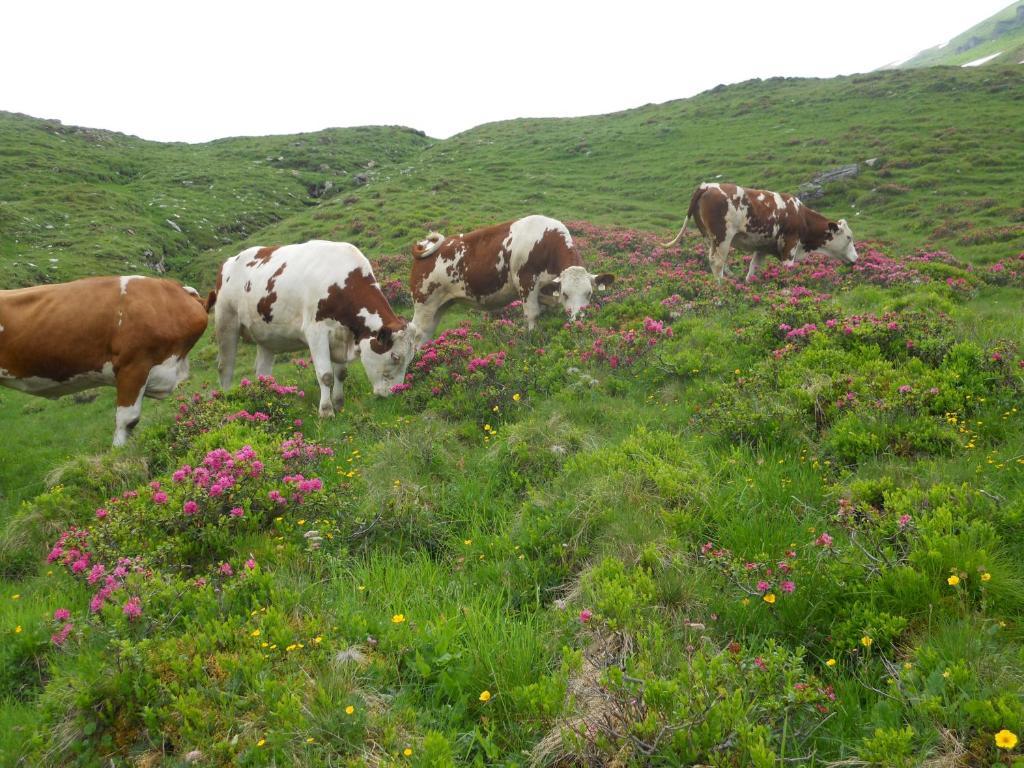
487,427
350,710
17,630
255,633
769,598
467,542
866,641
516,397
953,580
261,742
361,587
310,740
407,751
830,663
485,696
946,673
15,597
398,618
1006,739
318,639
986,576
908,666
744,601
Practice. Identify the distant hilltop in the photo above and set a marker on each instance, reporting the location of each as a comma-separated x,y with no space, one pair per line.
998,39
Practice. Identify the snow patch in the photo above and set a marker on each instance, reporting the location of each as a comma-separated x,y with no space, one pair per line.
982,60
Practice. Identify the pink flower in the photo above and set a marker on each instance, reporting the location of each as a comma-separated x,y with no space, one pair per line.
759,662
237,512
250,564
276,497
763,586
226,569
705,548
824,540
59,637
585,616
904,389
750,566
61,614
904,521
200,582
159,497
190,507
787,586
133,608
101,513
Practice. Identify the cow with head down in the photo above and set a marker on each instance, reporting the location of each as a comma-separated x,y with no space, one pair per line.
531,259
762,222
132,333
320,295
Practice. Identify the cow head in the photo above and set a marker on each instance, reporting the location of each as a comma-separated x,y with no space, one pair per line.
574,287
427,245
840,243
386,355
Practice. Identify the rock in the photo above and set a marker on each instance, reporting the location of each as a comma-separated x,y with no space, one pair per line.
360,178
173,225
371,163
815,188
874,162
323,167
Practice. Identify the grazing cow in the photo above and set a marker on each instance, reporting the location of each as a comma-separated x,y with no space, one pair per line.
132,332
763,222
320,295
491,267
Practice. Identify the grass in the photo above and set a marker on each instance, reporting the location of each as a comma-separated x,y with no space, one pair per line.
1000,33
581,540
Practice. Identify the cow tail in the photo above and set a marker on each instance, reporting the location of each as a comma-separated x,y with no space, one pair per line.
691,213
427,246
211,299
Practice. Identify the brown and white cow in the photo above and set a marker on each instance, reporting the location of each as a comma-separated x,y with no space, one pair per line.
492,266
320,295
763,222
132,332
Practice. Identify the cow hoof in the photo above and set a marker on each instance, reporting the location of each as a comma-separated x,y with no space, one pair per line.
326,411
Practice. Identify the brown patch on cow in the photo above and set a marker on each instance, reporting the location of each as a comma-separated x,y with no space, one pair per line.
477,270
265,306
262,255
549,254
60,331
360,291
248,286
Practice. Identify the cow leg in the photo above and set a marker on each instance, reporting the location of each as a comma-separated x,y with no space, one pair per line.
790,252
718,257
425,317
227,327
264,361
531,307
338,390
755,264
320,350
131,386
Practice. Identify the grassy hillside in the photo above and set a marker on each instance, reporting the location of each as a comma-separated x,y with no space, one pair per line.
1001,33
77,201
707,524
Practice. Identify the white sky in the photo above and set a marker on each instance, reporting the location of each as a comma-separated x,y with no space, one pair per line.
194,71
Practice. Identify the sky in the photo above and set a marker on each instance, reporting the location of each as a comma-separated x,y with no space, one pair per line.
195,71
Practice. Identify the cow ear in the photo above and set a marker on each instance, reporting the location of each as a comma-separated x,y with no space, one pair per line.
843,224
604,280
833,227
549,289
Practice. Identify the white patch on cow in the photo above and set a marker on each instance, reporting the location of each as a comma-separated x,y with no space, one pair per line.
1,327
760,197
372,319
165,376
43,387
779,202
191,291
125,279
982,60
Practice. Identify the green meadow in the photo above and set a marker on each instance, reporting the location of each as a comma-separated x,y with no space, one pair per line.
707,524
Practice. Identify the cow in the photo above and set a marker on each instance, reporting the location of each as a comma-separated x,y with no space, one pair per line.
490,267
133,333
763,222
321,295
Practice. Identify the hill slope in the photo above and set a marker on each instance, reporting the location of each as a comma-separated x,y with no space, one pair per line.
997,40
947,143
